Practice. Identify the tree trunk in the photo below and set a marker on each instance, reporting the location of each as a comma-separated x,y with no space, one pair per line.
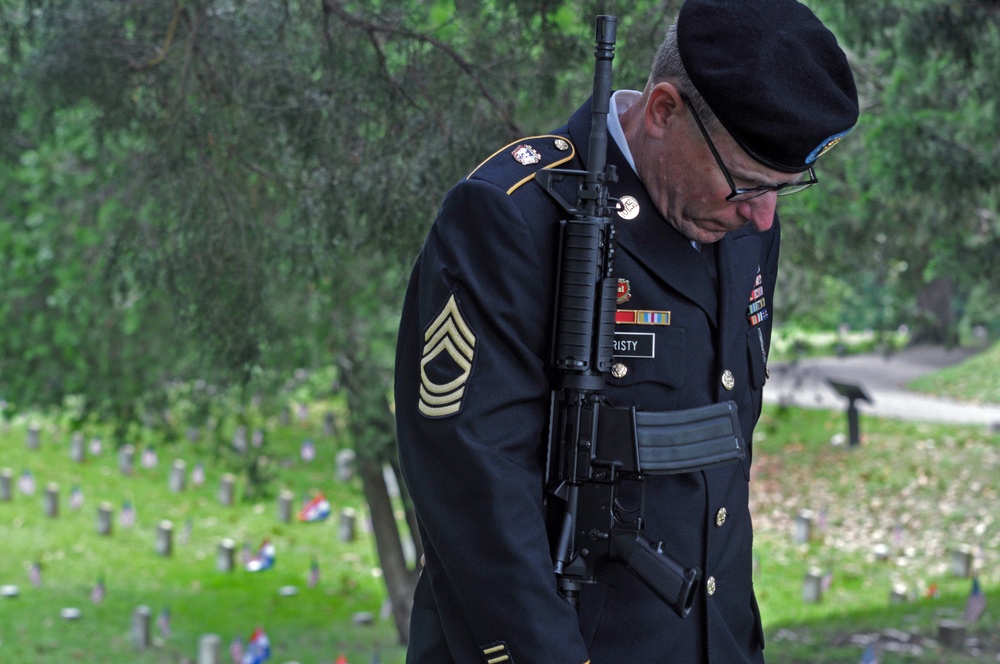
400,580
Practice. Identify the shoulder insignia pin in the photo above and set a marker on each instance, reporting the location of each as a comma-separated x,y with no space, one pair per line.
446,364
562,144
526,155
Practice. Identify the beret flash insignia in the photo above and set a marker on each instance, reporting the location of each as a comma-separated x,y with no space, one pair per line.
446,362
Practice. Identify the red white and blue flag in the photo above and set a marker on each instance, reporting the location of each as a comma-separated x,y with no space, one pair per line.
76,498
98,592
263,559
869,657
258,649
236,650
308,451
127,516
317,509
314,573
149,458
163,622
35,574
27,483
976,603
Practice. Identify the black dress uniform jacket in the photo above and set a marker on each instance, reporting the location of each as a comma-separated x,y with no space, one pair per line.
472,405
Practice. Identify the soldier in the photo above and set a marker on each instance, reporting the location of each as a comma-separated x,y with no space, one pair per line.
743,97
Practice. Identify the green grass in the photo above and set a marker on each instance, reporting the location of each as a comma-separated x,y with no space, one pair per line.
975,379
313,626
892,510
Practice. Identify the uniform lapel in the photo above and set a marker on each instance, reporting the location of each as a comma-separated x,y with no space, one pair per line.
739,263
648,238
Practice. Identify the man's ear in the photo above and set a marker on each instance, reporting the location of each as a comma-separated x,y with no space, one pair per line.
664,107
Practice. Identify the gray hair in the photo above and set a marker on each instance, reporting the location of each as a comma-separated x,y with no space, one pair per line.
667,66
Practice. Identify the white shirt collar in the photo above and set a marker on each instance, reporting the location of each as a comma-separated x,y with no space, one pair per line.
621,101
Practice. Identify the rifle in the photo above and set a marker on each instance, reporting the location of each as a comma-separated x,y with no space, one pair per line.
594,447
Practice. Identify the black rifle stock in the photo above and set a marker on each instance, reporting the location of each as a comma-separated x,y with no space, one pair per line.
595,448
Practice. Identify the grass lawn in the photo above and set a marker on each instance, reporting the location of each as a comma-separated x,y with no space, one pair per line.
314,625
885,517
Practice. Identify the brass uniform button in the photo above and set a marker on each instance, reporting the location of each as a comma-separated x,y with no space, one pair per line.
562,144
618,370
720,517
710,585
728,381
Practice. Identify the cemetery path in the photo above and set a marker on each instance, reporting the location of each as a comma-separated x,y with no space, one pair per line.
883,379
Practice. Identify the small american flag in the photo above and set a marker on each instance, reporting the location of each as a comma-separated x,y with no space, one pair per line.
27,483
186,531
827,580
76,498
149,458
35,574
95,446
236,650
976,603
163,622
198,475
869,657
128,516
308,451
314,574
98,592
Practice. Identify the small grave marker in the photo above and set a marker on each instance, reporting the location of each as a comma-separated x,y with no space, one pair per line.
226,487
126,459
812,586
52,500
225,556
165,538
34,436
961,562
6,485
285,498
104,511
210,649
803,527
140,627
951,633
178,476
347,525
78,447
345,465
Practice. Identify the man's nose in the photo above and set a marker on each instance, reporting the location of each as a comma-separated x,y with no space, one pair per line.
759,212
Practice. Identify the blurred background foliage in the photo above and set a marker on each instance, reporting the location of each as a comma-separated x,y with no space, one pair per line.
231,193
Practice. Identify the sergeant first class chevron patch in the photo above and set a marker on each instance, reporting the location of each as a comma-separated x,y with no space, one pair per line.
446,362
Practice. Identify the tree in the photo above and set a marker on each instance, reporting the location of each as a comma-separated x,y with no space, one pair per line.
232,191
909,202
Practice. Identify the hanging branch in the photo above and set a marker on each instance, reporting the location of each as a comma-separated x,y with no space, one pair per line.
334,7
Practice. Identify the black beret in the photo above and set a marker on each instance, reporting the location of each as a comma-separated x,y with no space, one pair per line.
773,74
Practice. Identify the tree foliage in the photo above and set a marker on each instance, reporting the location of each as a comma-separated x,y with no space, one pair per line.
910,203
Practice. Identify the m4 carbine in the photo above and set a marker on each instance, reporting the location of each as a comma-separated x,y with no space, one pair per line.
594,447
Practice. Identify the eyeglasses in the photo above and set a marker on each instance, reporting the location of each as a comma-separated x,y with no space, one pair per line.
740,194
